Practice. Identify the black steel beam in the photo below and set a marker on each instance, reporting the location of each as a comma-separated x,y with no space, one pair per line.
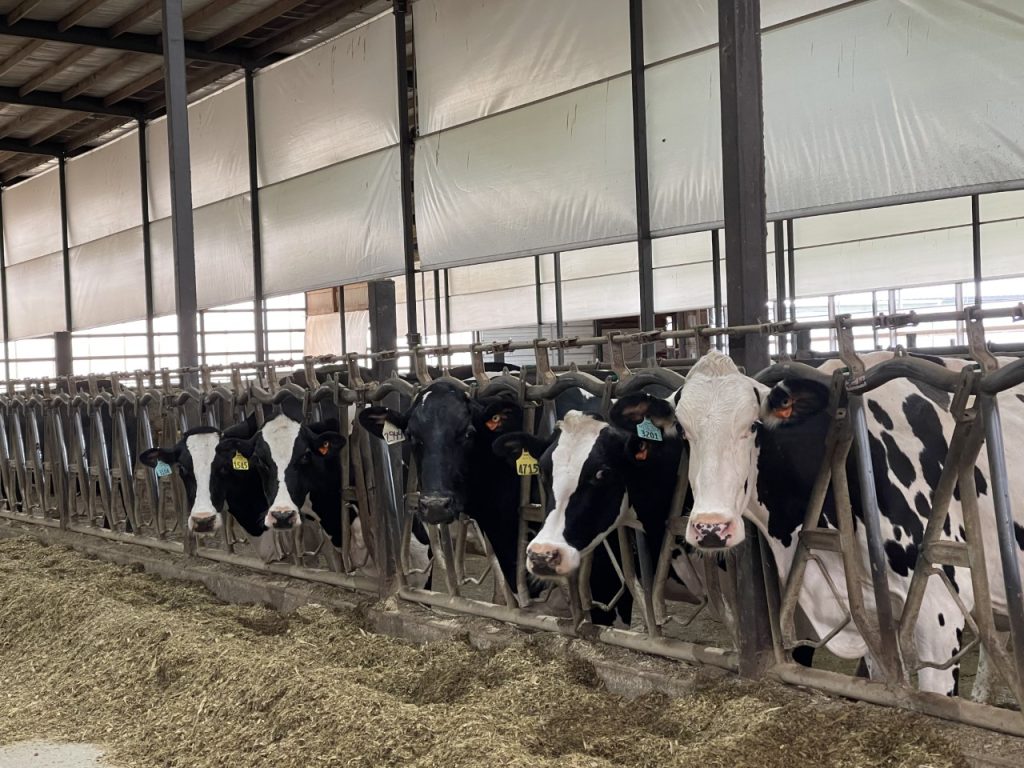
341,320
716,281
437,306
645,259
4,325
380,295
46,148
538,296
739,34
743,176
101,38
447,311
53,100
175,86
62,179
780,277
976,247
559,324
791,268
63,352
399,7
147,244
254,210
331,14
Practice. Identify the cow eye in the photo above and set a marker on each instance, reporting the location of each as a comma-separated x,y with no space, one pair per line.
183,470
755,425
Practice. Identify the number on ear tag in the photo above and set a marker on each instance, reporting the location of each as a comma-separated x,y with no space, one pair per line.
526,465
239,462
647,430
163,469
392,434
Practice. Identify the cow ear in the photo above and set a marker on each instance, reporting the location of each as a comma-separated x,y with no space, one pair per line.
372,420
326,444
233,445
499,418
152,456
792,401
512,445
631,410
244,429
637,450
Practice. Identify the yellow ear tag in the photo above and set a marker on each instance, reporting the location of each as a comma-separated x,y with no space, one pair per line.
527,465
239,462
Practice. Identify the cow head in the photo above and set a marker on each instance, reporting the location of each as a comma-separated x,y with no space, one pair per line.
587,468
725,417
286,455
199,467
445,428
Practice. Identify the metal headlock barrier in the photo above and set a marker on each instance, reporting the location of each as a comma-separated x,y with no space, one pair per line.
68,451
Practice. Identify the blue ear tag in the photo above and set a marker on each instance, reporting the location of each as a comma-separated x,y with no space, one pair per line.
163,469
647,430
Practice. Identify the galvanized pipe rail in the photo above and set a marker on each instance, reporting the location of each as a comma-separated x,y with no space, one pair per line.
375,495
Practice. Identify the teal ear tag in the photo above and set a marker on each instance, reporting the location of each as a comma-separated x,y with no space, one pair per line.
163,469
647,430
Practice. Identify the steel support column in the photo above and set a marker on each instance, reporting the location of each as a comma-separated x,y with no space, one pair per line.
645,265
976,247
383,326
147,245
341,319
405,148
538,297
62,339
176,88
780,279
559,324
716,282
739,31
254,210
3,293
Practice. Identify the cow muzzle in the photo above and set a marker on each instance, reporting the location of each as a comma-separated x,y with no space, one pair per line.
204,522
551,560
437,508
283,518
714,531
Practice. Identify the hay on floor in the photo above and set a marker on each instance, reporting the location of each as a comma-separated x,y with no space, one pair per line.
162,674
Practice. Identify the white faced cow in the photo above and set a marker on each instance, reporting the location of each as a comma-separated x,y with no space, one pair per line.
755,451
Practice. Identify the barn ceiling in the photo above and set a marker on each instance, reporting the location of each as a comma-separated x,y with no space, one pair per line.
75,73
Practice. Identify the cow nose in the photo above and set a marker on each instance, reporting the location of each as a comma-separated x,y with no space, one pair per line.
436,508
543,559
203,523
283,518
712,535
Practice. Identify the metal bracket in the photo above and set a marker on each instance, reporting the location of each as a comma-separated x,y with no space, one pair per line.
615,345
976,344
847,350
894,321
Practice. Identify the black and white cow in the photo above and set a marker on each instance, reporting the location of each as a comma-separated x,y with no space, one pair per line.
594,471
755,451
211,480
294,462
450,436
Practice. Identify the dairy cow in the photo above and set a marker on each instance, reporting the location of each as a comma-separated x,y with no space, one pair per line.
211,481
755,452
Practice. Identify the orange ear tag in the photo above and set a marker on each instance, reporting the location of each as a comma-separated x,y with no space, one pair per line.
494,422
323,449
785,410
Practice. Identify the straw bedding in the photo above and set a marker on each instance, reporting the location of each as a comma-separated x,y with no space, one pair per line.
162,674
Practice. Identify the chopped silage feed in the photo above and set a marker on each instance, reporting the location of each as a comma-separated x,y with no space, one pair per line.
162,674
